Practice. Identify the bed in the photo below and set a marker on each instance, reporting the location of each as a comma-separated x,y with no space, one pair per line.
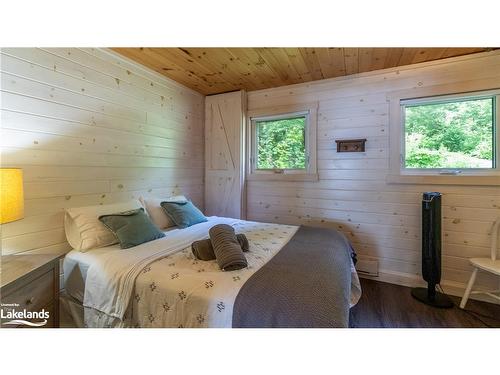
161,283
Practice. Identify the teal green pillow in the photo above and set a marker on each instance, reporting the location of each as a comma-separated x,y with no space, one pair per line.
183,214
132,227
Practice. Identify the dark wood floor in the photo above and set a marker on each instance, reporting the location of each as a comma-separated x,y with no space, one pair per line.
384,305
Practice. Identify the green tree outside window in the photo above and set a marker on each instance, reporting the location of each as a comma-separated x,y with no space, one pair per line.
450,135
281,143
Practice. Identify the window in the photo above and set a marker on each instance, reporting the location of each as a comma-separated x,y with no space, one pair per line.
450,134
283,144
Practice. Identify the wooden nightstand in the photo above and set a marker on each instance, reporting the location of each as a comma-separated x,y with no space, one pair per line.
30,282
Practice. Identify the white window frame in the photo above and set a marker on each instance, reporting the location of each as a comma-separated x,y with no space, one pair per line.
459,176
283,112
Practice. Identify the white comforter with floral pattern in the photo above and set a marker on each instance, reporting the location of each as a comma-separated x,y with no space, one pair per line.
161,283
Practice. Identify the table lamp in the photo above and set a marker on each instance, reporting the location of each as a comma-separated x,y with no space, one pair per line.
11,195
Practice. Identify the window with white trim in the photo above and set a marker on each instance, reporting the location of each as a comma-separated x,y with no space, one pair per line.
451,134
283,144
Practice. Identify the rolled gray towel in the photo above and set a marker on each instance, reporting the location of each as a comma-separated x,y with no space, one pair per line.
243,240
227,250
204,250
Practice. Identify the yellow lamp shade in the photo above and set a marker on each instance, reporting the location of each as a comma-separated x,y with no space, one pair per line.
11,195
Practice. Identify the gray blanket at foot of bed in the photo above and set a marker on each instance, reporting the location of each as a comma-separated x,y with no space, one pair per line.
306,285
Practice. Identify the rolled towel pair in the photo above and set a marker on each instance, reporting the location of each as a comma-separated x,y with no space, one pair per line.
226,247
203,249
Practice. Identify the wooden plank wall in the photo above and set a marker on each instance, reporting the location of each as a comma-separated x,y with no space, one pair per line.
89,127
382,220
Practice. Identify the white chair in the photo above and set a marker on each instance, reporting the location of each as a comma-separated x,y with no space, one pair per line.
491,265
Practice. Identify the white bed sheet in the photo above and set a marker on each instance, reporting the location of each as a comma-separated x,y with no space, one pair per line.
75,267
76,264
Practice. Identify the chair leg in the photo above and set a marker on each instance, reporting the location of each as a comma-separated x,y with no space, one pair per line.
472,280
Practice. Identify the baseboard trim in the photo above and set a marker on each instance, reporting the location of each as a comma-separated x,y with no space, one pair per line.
450,287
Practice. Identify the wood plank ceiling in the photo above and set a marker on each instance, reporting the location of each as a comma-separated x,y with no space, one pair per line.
218,70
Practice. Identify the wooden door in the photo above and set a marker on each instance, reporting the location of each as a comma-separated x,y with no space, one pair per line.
224,154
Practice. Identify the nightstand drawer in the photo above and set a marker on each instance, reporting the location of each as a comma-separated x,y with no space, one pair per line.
34,295
29,283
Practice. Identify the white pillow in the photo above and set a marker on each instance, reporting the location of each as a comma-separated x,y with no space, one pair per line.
156,212
83,229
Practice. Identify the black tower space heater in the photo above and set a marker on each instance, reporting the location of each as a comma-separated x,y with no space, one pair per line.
431,252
